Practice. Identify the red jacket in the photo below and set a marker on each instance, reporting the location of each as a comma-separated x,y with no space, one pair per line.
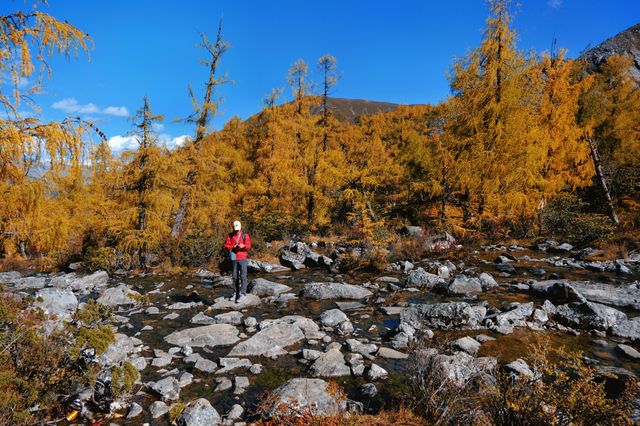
234,238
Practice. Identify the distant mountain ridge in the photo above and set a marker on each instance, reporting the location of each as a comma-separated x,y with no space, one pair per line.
349,109
626,43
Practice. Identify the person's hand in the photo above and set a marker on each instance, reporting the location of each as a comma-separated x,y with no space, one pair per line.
241,246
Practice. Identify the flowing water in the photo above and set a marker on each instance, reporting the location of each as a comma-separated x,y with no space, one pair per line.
368,321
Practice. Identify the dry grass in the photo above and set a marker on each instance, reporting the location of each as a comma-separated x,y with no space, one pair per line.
401,417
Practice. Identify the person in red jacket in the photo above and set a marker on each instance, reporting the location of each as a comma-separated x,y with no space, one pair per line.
238,243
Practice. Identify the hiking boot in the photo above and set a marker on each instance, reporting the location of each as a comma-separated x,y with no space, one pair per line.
241,298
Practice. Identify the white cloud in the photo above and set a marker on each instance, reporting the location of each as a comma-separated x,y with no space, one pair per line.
71,106
117,111
120,143
158,127
173,143
554,4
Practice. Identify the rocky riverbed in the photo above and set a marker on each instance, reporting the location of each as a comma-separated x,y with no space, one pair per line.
306,324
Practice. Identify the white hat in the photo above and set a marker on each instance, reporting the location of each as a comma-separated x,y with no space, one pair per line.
237,225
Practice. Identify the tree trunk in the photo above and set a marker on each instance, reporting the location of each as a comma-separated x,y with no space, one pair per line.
595,156
23,249
445,190
216,52
178,216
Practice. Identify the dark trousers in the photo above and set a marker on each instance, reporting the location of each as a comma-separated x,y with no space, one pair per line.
240,275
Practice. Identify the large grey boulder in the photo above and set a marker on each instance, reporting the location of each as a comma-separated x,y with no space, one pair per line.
261,287
79,283
590,315
462,285
516,316
460,368
628,351
269,342
120,295
24,283
443,315
309,328
120,349
301,395
420,278
9,276
83,284
292,260
519,368
330,364
202,319
629,329
199,413
391,353
487,281
168,388
58,302
331,290
375,372
333,317
558,291
208,335
626,296
277,334
158,409
466,344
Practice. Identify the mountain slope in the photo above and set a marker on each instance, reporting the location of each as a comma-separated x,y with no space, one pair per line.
626,43
349,109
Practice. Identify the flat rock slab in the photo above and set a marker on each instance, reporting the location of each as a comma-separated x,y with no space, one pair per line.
331,364
207,335
199,413
629,329
349,306
628,351
168,388
223,303
78,283
467,344
331,290
308,327
443,316
301,395
260,266
391,310
391,353
120,295
119,350
262,288
333,317
420,278
589,315
55,301
269,342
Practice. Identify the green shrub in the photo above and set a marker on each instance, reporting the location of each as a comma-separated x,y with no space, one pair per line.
109,259
567,217
40,365
122,378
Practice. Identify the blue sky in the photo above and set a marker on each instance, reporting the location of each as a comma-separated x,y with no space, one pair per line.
395,51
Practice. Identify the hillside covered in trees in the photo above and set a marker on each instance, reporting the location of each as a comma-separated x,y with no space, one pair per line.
522,135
